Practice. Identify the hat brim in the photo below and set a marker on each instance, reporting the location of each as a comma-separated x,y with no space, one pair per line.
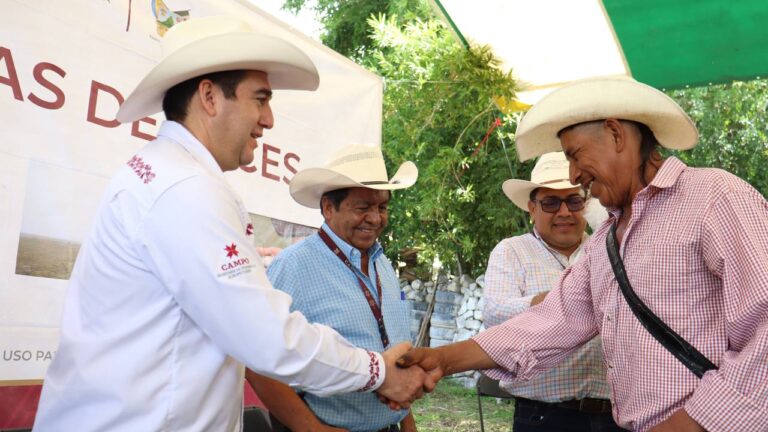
309,185
286,66
519,191
599,99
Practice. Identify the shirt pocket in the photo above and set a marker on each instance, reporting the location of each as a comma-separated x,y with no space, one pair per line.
661,274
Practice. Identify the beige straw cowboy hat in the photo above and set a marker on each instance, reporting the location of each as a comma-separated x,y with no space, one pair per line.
215,44
601,98
353,166
551,171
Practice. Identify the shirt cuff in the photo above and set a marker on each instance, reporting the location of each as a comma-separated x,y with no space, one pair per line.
489,341
716,405
377,372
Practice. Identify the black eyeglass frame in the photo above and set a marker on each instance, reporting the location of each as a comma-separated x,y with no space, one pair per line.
548,203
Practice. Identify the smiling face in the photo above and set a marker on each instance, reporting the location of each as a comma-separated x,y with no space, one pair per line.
360,218
604,159
562,230
241,120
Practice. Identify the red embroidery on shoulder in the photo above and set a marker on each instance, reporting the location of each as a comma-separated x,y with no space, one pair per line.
249,229
231,250
374,371
143,170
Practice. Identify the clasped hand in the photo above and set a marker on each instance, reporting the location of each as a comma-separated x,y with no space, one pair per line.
409,374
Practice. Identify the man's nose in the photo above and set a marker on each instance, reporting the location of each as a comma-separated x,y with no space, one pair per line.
574,173
373,216
563,210
267,119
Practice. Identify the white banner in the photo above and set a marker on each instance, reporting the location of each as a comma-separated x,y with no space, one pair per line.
65,67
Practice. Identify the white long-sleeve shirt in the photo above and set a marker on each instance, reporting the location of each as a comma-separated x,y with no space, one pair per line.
168,300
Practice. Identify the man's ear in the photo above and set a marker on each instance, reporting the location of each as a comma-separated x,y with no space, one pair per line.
531,208
617,133
325,207
207,95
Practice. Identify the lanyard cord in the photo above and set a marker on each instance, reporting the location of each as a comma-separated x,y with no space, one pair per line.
375,309
544,245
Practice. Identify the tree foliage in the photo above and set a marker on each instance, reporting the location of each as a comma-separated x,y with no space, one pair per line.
733,129
438,110
345,22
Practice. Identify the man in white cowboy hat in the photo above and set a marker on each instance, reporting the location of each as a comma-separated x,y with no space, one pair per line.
168,299
521,271
340,277
693,246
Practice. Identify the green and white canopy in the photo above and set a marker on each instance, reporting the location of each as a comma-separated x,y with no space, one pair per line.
664,43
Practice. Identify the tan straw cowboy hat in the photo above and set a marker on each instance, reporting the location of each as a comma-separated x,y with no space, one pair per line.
214,44
551,171
353,166
597,99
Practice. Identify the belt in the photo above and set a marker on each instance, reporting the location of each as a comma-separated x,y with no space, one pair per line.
586,405
279,427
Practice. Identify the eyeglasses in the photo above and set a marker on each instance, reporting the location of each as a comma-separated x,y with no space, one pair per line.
552,204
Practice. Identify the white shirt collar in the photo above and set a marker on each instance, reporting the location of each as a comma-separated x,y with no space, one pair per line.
179,134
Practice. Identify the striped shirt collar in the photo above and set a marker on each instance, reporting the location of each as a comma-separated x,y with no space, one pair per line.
569,260
665,177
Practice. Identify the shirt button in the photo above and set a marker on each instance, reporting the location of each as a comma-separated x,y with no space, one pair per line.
608,318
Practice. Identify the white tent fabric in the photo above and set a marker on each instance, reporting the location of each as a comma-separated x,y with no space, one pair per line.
574,41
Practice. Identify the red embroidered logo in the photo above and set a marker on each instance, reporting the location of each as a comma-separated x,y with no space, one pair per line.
249,229
231,250
143,170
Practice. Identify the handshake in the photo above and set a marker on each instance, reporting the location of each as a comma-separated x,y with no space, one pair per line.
410,372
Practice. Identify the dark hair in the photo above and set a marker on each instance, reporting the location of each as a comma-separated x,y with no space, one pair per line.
335,197
648,143
575,125
176,99
533,193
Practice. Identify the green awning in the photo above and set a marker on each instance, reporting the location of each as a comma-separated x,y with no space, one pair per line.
664,43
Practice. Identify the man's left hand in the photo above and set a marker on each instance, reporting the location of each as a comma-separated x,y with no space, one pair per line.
680,421
538,298
403,385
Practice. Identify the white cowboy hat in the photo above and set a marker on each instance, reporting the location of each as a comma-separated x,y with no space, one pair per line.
353,166
551,171
601,98
215,44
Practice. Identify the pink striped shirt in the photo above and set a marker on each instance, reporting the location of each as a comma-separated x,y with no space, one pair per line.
696,252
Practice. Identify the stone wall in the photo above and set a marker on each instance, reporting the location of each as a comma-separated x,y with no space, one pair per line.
457,313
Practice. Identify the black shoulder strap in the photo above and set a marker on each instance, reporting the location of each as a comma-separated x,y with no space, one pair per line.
679,347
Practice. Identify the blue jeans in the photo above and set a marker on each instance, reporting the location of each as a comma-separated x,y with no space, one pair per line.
534,416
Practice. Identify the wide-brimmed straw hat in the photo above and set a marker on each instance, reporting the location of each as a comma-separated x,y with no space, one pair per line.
214,44
601,98
551,171
353,166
